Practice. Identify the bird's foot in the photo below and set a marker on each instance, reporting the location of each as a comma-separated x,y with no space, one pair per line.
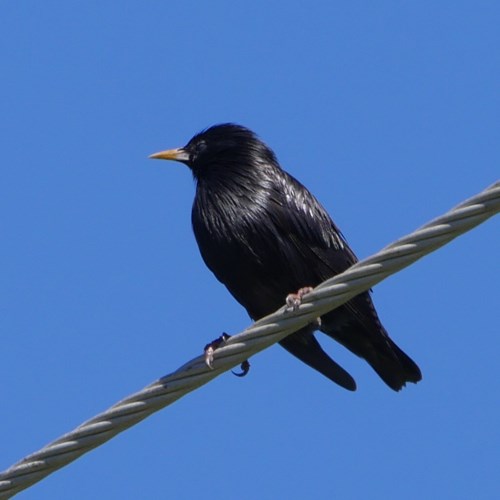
244,367
293,300
210,348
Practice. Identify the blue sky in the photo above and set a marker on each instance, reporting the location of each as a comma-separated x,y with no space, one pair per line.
388,111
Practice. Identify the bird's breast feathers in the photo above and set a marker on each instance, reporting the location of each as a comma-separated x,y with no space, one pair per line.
277,217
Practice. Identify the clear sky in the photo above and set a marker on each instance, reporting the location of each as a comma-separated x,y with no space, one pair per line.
388,111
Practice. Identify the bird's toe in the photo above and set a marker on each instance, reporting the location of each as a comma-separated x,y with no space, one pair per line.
293,300
210,348
245,368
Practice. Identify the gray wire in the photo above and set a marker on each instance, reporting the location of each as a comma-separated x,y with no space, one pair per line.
265,332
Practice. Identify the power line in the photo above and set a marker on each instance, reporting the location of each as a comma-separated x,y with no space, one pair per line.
262,334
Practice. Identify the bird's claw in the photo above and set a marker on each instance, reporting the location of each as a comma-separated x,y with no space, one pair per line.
209,357
245,368
293,300
210,348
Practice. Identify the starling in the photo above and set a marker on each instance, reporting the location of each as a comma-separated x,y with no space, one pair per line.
265,236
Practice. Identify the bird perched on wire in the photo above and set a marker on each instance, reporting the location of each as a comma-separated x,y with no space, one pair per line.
265,237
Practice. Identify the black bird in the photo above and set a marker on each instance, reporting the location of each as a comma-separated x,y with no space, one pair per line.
264,235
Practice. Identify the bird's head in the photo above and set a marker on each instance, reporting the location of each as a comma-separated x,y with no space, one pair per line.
220,149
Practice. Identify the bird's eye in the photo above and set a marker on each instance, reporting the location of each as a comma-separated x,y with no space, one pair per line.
198,149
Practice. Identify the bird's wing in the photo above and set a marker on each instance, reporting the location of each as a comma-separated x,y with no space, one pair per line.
315,247
308,232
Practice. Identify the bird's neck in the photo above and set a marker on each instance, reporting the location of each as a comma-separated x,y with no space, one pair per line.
232,196
234,180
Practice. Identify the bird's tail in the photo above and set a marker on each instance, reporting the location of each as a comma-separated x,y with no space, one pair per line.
303,345
357,327
393,365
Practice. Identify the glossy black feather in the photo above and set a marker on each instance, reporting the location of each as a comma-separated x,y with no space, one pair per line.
264,235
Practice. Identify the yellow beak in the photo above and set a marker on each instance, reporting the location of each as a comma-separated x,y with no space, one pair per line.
178,154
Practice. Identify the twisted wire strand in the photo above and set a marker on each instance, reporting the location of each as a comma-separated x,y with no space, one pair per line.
263,333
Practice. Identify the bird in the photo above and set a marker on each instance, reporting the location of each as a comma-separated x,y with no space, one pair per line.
265,236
